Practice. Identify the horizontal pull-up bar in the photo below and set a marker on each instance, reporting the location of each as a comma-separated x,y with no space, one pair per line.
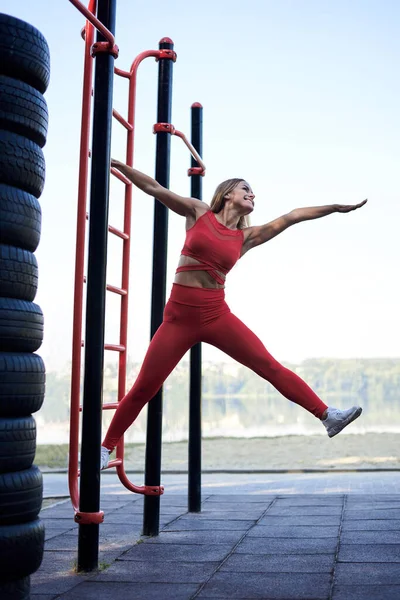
169,128
106,33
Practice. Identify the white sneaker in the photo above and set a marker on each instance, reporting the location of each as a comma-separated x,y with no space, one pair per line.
337,419
104,458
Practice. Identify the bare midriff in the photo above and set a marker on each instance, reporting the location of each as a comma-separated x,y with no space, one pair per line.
200,279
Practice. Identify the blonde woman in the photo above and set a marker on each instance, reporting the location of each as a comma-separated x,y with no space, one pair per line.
216,237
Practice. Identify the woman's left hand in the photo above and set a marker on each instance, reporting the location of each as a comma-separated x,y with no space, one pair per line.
345,208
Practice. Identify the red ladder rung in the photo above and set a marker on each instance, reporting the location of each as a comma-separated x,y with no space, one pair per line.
111,288
114,230
121,120
118,233
114,347
107,406
121,177
116,290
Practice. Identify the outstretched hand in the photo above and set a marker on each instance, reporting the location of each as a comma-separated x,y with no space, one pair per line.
345,208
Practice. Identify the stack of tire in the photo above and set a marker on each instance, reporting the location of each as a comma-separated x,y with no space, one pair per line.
24,77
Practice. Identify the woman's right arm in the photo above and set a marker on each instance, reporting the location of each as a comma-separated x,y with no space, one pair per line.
186,207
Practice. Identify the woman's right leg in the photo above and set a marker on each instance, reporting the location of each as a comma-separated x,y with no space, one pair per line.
167,347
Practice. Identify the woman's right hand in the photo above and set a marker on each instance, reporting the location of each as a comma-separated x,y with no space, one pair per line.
115,163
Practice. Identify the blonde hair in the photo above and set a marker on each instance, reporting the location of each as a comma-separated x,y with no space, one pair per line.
218,200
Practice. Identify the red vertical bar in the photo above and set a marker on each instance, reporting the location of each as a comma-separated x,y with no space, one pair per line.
79,263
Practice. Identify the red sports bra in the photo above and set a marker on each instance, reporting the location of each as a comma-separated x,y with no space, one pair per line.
214,245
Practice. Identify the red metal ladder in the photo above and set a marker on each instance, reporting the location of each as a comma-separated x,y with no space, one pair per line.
77,344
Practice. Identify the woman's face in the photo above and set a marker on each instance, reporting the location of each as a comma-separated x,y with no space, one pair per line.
242,197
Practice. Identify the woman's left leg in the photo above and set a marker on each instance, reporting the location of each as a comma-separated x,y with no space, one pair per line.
234,338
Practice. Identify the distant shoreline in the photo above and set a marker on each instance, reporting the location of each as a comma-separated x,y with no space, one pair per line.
345,451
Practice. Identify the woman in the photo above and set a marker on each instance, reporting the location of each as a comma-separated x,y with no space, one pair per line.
216,237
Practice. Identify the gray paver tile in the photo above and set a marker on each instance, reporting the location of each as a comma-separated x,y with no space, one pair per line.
267,586
374,574
371,553
93,590
310,501
287,546
196,537
188,525
299,511
354,506
371,525
370,537
54,532
222,514
309,521
240,499
355,515
293,532
177,552
366,592
161,571
264,563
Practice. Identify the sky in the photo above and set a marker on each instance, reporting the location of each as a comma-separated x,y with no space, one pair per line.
301,98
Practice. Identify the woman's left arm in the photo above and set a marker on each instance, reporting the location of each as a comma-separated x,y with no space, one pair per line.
263,233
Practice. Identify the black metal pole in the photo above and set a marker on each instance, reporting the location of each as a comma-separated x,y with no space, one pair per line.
194,462
88,541
151,514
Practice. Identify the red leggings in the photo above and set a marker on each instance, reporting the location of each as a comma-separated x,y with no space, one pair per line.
201,315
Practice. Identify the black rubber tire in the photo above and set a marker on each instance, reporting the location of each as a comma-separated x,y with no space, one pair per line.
20,218
21,326
16,590
17,445
22,163
21,549
22,384
18,273
21,495
23,110
25,53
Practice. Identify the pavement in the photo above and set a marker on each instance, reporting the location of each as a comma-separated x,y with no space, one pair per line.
325,536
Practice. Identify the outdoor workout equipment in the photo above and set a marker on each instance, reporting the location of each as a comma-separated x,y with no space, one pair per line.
86,504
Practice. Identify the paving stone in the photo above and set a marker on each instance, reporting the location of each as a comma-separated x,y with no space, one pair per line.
93,590
309,521
57,560
286,546
240,499
389,514
366,592
189,525
34,596
373,506
56,582
264,563
370,537
300,511
374,574
268,586
160,571
178,552
222,514
371,525
196,537
310,501
293,532
53,532
378,553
